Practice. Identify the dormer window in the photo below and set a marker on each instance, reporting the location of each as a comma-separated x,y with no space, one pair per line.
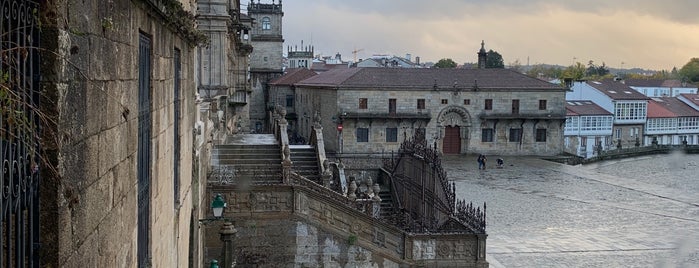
266,23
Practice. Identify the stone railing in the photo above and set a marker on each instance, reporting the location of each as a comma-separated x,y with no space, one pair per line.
267,214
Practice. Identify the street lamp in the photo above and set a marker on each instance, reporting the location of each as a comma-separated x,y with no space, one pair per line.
218,205
227,232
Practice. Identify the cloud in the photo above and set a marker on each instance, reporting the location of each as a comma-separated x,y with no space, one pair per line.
640,33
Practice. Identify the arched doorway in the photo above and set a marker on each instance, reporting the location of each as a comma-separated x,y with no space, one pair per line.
452,140
453,123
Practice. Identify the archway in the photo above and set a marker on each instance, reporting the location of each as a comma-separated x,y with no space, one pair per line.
453,124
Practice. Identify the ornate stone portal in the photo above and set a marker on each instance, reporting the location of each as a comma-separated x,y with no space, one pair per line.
453,116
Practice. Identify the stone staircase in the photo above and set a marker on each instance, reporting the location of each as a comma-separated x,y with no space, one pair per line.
305,162
386,202
251,163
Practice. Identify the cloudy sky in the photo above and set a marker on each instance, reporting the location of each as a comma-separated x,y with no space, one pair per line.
652,34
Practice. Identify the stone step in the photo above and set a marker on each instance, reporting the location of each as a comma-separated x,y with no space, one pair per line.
250,162
248,156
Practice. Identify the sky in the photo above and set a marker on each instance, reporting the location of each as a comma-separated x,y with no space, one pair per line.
649,34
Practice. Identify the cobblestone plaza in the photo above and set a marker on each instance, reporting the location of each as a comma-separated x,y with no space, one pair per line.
637,212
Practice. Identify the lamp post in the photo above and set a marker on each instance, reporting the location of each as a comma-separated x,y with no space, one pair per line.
227,232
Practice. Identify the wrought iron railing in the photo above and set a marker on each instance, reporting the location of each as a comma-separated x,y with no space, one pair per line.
427,198
19,128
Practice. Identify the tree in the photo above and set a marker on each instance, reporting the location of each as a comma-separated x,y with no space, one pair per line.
494,60
690,71
575,72
445,63
544,71
596,71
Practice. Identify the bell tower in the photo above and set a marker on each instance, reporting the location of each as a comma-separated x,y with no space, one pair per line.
266,59
482,56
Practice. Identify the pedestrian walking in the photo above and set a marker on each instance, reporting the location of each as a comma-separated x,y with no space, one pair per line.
481,161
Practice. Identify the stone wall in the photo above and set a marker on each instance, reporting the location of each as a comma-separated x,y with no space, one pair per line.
337,102
305,225
91,70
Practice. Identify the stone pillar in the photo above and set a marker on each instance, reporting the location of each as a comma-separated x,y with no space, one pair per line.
228,232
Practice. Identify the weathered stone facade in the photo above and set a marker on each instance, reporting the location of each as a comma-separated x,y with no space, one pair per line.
435,109
297,226
266,59
90,81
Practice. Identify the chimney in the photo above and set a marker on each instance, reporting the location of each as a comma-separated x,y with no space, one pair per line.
568,82
408,57
417,60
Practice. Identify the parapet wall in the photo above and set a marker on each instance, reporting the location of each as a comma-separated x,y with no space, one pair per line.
306,225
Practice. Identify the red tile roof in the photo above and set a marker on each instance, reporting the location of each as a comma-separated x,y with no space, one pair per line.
423,78
292,76
694,98
673,108
616,90
584,107
658,110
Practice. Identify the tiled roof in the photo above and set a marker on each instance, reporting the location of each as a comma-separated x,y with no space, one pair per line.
616,90
323,67
292,76
584,107
691,97
428,78
658,110
656,83
674,106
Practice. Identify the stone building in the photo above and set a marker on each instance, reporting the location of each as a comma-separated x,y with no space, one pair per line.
300,58
281,92
118,174
492,111
266,59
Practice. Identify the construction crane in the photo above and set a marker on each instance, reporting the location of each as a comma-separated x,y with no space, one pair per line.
354,52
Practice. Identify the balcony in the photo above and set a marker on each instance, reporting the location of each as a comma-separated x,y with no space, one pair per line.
419,114
239,97
531,116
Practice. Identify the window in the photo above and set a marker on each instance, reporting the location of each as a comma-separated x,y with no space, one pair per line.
445,101
634,132
289,100
618,133
266,23
489,104
421,103
264,59
487,135
176,141
630,110
392,106
362,135
515,134
391,134
515,106
540,135
362,103
542,104
467,102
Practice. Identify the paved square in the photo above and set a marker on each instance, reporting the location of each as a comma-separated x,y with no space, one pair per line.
637,212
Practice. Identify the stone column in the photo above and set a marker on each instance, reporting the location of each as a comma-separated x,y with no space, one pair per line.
228,232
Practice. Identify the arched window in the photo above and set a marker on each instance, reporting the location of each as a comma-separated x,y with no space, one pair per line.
266,23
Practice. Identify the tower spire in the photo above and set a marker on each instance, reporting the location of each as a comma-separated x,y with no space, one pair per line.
482,56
